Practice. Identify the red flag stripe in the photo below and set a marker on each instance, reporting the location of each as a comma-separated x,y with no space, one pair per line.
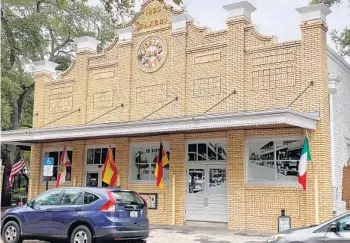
16,168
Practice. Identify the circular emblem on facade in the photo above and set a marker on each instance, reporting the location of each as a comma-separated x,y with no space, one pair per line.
152,54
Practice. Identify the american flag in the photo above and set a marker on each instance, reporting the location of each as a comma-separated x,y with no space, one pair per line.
16,169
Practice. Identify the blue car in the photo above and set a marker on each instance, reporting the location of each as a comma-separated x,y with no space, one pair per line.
78,215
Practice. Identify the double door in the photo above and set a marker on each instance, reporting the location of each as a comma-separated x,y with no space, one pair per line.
206,193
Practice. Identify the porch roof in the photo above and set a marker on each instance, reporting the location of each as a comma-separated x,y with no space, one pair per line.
237,120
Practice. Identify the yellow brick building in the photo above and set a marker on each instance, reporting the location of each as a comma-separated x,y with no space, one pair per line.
231,107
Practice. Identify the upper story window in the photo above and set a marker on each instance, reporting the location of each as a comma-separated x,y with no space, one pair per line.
56,155
97,156
206,151
143,157
273,160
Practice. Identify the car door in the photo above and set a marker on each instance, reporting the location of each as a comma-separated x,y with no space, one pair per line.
36,220
66,212
342,235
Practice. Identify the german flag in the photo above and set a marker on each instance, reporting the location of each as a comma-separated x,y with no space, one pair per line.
110,171
162,160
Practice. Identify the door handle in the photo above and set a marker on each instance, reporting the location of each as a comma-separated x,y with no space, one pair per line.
48,210
78,209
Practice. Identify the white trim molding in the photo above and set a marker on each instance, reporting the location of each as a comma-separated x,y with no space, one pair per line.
249,119
314,11
239,8
333,81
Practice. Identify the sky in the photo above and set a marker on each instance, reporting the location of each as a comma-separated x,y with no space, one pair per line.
272,17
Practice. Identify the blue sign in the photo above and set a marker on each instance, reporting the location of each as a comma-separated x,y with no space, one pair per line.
48,166
48,161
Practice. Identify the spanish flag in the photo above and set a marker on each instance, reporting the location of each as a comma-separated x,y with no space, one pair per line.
110,171
162,160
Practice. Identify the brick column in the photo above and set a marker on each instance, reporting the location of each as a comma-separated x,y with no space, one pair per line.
43,75
35,169
236,203
78,163
314,68
122,160
239,17
85,46
177,166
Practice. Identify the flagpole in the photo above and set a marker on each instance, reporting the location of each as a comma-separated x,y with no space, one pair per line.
173,198
316,192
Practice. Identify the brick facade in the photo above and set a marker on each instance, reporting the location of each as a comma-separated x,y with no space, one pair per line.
201,68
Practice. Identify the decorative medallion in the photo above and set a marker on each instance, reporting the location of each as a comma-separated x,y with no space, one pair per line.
152,54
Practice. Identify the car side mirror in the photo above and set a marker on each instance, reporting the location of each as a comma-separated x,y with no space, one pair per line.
347,226
30,203
333,227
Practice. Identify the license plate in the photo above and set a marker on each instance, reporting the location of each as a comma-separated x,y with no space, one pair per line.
133,214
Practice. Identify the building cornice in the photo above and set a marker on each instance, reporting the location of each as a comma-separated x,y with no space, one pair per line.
252,119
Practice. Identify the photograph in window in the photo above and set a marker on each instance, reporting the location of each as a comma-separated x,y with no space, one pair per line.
144,160
274,160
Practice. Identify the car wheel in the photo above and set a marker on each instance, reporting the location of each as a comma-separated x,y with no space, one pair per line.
285,172
11,233
81,234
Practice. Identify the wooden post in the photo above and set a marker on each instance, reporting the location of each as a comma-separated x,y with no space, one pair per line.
173,198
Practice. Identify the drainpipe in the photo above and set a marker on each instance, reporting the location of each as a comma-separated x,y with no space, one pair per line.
333,80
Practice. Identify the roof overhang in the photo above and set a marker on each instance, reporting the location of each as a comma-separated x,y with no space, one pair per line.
237,120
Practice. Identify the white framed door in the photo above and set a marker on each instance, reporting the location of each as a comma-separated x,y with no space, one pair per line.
217,193
206,193
93,177
196,193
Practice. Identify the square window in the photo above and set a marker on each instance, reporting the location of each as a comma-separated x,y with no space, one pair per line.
143,158
56,155
273,160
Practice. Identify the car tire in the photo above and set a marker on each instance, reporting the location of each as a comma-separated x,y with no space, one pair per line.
11,233
81,234
285,172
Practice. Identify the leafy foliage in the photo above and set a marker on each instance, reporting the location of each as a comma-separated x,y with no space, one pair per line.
341,38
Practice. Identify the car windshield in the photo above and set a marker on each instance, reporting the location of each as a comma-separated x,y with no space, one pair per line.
123,197
335,219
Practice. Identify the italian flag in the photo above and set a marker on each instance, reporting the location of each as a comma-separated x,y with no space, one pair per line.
305,157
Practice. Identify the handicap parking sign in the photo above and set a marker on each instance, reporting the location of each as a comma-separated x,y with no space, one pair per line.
48,166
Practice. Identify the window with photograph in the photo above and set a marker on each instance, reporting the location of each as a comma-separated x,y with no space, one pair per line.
56,155
206,151
273,160
143,159
97,156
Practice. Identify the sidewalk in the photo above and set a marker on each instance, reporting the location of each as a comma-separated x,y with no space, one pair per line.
193,234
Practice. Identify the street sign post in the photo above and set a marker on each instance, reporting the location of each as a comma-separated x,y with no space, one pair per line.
48,169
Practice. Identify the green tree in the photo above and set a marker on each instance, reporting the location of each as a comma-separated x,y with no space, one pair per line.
34,30
341,38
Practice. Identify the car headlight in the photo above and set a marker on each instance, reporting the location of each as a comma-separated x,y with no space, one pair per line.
275,238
